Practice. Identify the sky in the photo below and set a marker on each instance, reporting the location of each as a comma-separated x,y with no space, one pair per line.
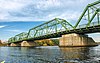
18,16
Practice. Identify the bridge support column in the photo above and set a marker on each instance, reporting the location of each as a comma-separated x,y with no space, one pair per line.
76,40
28,43
15,44
8,44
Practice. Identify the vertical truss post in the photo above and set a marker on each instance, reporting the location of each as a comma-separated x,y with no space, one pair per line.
88,15
85,10
81,17
98,18
35,33
56,28
62,24
46,28
91,19
28,34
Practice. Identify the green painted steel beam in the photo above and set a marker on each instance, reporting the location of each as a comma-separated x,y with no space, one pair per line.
85,10
92,18
95,3
18,37
98,18
47,25
81,17
63,25
44,23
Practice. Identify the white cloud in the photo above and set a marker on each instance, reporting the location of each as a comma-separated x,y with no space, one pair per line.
44,4
42,10
7,6
10,5
16,31
2,26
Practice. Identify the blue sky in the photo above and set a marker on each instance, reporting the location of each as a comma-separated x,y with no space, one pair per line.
9,29
20,15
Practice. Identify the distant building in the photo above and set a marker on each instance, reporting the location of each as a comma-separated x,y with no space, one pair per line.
2,44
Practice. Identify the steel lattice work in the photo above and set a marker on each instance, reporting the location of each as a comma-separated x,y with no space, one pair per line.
90,15
52,27
58,27
19,37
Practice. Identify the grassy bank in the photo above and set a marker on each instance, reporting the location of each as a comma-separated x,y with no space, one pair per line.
47,42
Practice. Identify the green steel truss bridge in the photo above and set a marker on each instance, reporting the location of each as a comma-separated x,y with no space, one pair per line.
57,27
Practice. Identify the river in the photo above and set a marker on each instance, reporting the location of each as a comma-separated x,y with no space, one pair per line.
50,54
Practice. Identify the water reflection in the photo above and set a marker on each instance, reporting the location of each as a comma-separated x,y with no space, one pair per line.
50,54
74,54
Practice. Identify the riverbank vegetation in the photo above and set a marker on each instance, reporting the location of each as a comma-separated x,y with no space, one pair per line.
2,44
47,42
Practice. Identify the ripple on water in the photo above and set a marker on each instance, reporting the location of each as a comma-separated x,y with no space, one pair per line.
50,54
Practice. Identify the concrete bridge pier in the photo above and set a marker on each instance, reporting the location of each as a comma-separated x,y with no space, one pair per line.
15,44
76,40
8,44
28,43
23,44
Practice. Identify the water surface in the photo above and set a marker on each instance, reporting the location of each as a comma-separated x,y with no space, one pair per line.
50,54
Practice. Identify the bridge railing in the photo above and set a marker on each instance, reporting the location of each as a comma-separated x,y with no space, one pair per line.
95,23
92,24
